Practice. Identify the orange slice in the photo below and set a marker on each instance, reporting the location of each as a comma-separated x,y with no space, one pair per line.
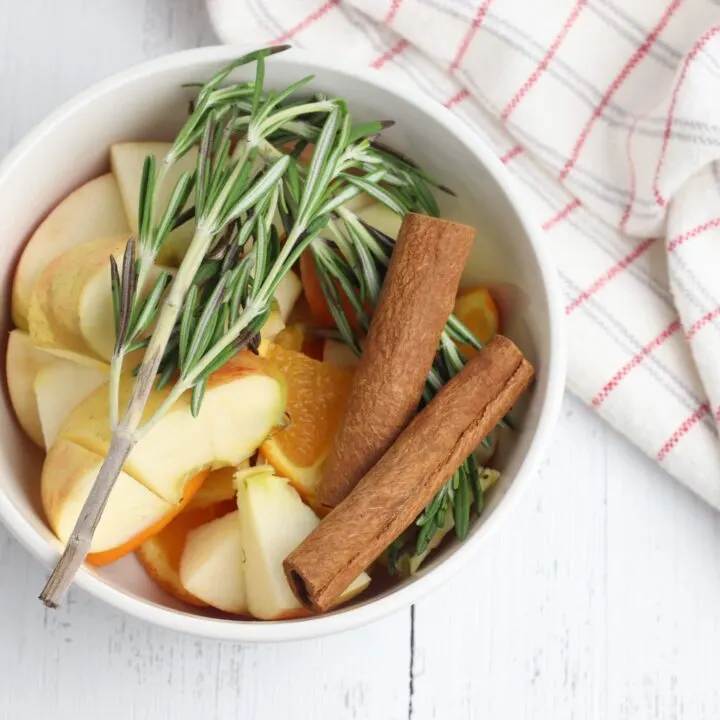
109,556
296,337
160,555
476,309
317,395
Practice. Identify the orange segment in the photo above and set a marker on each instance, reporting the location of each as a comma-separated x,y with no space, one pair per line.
291,338
317,394
476,309
109,556
161,554
296,337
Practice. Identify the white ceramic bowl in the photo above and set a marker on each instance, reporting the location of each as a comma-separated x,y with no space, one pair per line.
147,102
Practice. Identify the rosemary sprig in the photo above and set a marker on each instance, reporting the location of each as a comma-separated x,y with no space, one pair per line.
222,293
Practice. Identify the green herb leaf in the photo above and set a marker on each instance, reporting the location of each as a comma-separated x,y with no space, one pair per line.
379,193
116,289
198,393
187,324
145,209
259,188
177,201
149,307
461,504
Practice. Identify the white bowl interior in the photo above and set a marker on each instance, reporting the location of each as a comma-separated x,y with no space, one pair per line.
72,147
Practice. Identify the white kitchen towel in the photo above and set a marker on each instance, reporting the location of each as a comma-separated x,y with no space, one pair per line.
608,114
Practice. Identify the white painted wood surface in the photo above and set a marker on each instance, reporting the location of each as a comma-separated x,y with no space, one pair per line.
599,599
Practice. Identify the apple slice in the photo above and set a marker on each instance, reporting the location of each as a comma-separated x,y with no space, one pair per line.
286,295
212,567
127,160
274,325
71,309
340,355
373,213
59,389
60,295
160,555
288,291
93,210
68,474
218,488
95,311
360,201
244,400
381,217
274,521
22,364
79,359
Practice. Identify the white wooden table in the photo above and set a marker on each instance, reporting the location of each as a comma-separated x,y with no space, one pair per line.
600,598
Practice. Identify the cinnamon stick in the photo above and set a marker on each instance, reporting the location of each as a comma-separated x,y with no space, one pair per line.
415,302
427,453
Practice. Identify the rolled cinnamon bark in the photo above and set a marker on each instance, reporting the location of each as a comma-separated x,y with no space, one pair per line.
427,453
415,302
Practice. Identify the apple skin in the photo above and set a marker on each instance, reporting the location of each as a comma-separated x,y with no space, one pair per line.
93,210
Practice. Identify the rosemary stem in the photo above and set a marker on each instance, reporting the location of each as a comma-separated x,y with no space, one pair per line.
124,434
174,395
146,264
80,541
167,317
114,387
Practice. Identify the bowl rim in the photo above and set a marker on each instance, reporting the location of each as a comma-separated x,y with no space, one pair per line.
272,631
